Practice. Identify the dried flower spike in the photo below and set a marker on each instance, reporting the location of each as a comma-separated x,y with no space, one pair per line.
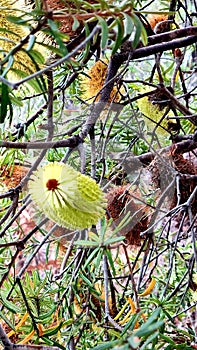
66,196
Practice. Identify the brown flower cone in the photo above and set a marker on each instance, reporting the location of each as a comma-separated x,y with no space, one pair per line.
122,200
164,170
185,166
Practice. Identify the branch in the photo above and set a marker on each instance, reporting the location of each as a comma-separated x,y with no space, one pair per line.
153,49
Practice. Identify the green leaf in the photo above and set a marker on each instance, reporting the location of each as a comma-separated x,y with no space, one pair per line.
31,42
107,345
111,261
87,47
76,23
86,243
46,315
8,66
166,339
131,323
144,36
10,306
5,100
128,24
3,317
137,33
92,255
104,31
52,331
119,35
86,280
138,30
58,36
149,340
114,240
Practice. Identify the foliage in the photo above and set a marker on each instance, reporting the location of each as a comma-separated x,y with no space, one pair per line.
109,88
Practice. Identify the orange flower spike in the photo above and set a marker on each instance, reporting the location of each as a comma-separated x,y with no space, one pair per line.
149,289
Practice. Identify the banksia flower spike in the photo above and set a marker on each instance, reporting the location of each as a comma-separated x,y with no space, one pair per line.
11,35
71,199
94,82
154,113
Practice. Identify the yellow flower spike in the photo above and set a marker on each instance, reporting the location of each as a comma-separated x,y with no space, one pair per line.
11,36
149,289
154,115
22,321
94,82
66,196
